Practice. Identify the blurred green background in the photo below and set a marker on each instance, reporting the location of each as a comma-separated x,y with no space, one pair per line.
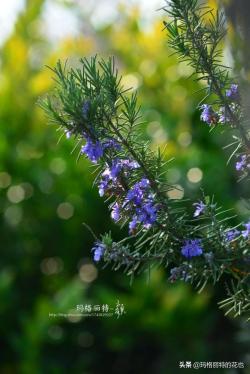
45,196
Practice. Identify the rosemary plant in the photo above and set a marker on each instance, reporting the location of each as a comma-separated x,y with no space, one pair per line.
90,105
195,34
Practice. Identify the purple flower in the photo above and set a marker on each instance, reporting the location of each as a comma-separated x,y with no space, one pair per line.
233,92
109,178
117,166
132,225
208,115
115,169
103,185
231,235
109,175
191,248
141,200
246,233
144,183
150,209
224,115
131,164
115,214
242,163
85,109
68,133
111,143
98,250
200,207
93,151
147,214
135,195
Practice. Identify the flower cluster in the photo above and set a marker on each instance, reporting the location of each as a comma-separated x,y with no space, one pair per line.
136,203
94,150
110,180
233,93
208,115
222,116
200,208
232,234
140,201
243,163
